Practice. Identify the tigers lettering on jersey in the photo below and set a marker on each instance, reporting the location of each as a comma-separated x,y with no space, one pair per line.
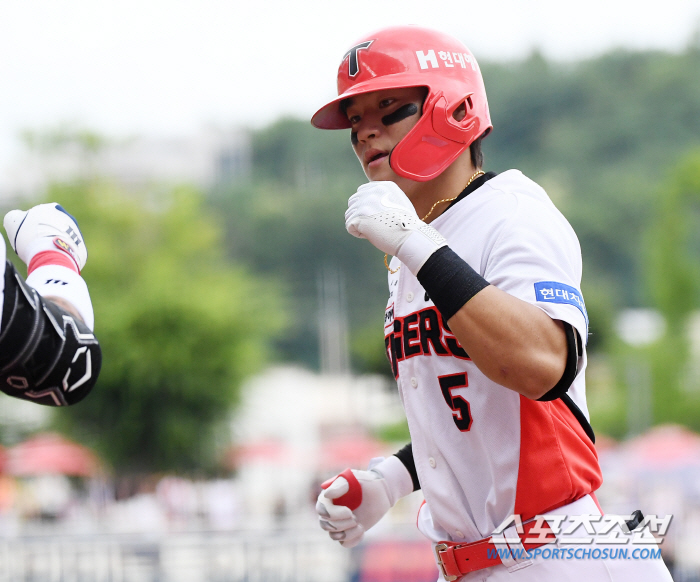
421,333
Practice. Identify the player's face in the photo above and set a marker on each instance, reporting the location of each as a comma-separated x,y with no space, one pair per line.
379,121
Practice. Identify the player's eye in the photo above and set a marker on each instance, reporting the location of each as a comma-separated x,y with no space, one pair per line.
386,103
354,119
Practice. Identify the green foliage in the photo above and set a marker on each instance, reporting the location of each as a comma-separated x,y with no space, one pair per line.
395,433
673,274
598,135
290,222
673,252
62,137
368,350
672,258
179,327
294,154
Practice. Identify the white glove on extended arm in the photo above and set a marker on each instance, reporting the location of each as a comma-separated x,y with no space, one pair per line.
48,227
35,230
383,214
381,487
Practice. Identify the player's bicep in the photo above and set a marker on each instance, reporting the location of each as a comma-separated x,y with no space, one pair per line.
541,265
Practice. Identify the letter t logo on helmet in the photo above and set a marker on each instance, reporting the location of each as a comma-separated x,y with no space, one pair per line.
411,56
351,55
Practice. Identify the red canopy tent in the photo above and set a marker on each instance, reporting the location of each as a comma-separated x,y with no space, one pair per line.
663,447
350,451
51,454
392,560
264,450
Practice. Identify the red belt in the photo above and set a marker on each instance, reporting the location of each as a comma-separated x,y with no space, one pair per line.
455,560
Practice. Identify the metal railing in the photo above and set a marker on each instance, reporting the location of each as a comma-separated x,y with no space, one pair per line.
175,557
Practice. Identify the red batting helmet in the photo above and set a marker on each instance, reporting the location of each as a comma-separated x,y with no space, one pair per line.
410,56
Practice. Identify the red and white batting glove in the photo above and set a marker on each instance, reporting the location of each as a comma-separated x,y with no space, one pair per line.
354,501
50,243
382,213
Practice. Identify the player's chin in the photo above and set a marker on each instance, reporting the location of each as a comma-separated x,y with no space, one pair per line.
380,171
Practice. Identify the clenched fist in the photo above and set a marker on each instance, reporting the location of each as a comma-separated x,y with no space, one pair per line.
383,214
46,227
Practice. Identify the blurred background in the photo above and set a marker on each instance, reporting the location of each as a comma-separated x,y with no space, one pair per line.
240,324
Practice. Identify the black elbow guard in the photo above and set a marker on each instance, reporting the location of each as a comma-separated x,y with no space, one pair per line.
47,355
574,352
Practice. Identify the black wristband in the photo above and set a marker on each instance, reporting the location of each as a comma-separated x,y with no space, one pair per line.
449,281
405,455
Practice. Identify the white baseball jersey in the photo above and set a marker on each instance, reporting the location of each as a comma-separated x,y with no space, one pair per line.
484,452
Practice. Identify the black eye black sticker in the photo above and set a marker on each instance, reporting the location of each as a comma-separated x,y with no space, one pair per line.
353,138
400,114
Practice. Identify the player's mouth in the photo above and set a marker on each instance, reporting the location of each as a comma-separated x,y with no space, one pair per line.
374,157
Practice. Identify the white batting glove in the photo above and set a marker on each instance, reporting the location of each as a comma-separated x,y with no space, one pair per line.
383,214
370,495
45,228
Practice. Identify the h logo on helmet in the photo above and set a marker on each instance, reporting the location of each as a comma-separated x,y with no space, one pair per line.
353,63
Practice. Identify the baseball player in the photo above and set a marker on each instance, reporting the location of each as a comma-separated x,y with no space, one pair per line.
485,328
48,353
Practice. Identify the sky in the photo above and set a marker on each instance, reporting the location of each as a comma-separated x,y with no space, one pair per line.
169,67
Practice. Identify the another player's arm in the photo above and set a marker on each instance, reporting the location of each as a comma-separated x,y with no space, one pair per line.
48,353
65,305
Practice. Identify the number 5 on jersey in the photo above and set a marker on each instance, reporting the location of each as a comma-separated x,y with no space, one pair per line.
461,413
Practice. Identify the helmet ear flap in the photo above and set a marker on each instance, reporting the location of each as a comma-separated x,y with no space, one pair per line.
436,140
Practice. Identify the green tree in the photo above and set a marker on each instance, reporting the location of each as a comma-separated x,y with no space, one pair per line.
673,249
289,221
179,325
673,258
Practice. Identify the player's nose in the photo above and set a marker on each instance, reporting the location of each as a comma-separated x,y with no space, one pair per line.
368,129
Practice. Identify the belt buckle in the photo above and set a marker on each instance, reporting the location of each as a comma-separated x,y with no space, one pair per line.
439,548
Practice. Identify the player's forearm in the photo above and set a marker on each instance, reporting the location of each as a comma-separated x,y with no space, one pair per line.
65,288
512,342
64,304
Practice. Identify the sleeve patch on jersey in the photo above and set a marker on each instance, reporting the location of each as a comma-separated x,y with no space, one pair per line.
553,292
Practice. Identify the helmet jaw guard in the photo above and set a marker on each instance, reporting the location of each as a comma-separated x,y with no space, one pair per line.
436,141
409,56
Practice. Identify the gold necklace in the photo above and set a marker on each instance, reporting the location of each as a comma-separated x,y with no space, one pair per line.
476,175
